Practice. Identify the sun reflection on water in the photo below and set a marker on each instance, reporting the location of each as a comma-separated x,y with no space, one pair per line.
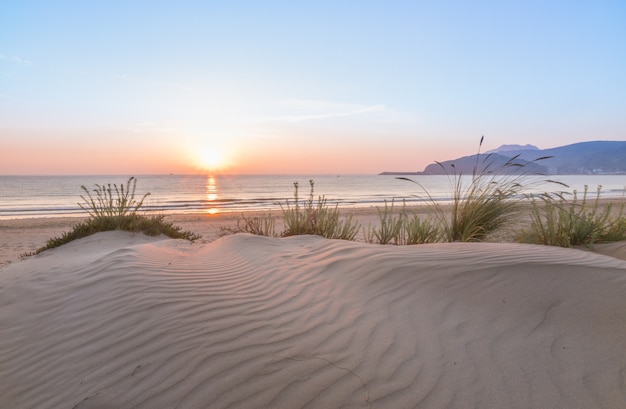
211,195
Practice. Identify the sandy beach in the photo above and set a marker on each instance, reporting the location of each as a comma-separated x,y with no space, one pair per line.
120,320
26,235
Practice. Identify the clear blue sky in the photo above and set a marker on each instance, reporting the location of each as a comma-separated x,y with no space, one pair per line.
288,87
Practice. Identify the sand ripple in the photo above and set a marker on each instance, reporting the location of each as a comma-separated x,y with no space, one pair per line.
121,321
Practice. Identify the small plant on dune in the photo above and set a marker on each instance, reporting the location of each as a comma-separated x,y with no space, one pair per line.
419,231
316,218
309,217
489,201
116,212
577,222
105,204
259,225
389,227
402,228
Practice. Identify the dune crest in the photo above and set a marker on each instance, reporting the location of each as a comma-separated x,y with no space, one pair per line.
122,321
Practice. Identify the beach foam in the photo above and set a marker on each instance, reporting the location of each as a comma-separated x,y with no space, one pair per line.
117,320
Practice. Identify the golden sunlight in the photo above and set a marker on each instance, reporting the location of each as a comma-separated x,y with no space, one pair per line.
210,159
211,195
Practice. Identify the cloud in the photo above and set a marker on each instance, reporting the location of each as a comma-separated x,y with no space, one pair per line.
309,110
294,111
15,59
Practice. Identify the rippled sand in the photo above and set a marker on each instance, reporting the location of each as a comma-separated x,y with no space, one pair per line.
125,321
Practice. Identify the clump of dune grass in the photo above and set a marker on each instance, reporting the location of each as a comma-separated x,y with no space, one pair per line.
401,228
389,226
311,216
259,225
316,218
115,208
108,202
489,201
416,230
567,223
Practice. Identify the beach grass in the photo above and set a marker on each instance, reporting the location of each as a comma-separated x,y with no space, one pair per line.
402,227
311,216
258,225
579,221
416,230
108,201
113,207
316,217
490,201
389,226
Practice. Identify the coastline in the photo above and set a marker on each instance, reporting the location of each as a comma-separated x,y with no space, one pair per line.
57,196
26,235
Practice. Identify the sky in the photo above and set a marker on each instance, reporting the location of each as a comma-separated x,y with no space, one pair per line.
295,87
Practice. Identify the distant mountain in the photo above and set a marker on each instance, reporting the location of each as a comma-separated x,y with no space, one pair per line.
596,157
485,162
508,148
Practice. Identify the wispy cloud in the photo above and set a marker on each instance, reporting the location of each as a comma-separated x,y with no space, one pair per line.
297,110
15,59
310,110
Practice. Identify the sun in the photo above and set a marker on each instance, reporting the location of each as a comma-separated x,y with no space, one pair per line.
207,157
210,158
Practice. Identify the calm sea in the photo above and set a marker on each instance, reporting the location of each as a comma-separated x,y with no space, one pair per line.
54,196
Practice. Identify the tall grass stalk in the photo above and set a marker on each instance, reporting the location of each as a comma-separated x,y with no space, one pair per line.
113,201
487,203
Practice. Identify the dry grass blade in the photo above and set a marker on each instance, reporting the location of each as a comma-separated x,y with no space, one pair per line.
487,202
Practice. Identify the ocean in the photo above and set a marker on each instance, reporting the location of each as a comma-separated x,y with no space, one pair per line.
55,196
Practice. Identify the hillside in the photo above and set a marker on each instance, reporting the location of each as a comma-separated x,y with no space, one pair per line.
596,157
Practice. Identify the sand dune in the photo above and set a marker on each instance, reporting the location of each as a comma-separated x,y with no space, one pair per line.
122,321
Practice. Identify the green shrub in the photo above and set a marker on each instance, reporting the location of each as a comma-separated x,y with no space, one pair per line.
567,223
